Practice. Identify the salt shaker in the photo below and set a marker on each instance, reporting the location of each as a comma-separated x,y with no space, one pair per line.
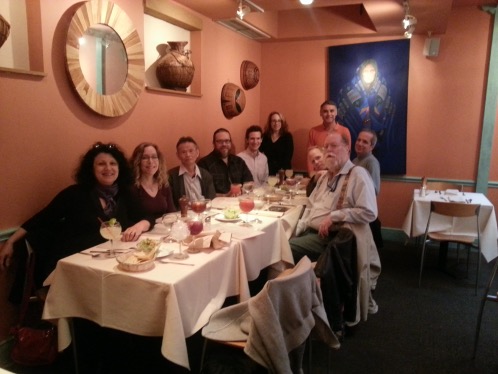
423,191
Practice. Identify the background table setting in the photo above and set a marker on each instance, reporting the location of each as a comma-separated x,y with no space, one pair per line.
174,298
416,218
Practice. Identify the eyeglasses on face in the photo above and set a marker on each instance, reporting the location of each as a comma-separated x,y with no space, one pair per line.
223,141
100,145
152,158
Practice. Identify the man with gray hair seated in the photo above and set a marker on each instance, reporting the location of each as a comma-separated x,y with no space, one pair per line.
343,197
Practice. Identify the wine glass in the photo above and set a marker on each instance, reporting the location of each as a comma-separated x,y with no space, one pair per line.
298,178
289,173
247,187
179,232
168,220
195,226
272,181
110,230
198,206
292,183
246,204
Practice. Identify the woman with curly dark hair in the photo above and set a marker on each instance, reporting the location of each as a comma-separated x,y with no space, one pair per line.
151,189
71,221
277,145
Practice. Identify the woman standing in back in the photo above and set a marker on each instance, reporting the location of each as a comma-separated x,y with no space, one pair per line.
151,189
277,145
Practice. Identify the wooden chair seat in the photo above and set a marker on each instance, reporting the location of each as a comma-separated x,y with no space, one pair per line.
461,239
453,210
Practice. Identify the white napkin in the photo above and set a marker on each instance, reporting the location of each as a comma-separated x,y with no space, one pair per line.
205,241
452,192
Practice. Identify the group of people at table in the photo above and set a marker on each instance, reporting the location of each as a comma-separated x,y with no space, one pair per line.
138,191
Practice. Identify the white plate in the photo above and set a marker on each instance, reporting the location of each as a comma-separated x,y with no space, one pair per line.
221,217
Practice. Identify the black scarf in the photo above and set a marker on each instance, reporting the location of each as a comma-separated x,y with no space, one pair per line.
108,193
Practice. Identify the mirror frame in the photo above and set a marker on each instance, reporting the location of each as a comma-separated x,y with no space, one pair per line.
109,14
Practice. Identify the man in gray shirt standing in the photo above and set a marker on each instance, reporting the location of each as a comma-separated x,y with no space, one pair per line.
364,145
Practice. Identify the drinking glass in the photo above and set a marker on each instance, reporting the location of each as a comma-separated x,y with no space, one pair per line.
272,181
298,178
198,206
179,232
110,230
289,173
248,187
195,226
246,204
235,189
168,220
291,182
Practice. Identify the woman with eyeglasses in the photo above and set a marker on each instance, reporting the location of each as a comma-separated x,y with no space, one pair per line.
277,145
71,221
151,189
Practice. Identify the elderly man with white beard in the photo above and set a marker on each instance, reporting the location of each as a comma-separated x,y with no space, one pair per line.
357,209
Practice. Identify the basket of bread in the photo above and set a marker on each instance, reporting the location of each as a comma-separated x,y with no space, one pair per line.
140,259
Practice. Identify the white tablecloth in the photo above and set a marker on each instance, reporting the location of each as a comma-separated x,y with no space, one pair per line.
173,301
416,219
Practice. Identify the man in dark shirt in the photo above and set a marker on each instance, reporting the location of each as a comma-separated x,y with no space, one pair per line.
226,168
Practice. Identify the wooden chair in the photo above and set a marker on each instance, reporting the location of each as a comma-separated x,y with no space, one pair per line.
443,186
486,297
455,210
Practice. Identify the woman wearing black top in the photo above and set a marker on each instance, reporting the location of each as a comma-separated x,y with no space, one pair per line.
277,145
71,221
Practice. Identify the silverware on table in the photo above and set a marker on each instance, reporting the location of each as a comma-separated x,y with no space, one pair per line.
174,262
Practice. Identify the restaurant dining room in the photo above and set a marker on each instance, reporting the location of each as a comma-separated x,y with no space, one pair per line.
92,93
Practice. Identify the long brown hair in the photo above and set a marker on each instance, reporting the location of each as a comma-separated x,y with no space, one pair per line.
284,129
161,175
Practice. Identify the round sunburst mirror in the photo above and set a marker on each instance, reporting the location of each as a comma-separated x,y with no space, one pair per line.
105,58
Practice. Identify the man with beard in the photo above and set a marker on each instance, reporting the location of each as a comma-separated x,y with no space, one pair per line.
225,168
357,210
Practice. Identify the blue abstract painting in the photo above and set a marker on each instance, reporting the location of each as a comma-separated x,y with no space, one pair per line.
369,84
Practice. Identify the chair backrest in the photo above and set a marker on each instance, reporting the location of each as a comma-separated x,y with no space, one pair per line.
443,186
451,209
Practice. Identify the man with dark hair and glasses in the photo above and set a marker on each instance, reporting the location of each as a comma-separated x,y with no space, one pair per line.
343,197
189,179
225,168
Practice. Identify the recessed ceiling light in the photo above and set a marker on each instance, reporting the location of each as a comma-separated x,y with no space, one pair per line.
306,2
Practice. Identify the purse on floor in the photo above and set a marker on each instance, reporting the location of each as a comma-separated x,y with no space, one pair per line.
35,340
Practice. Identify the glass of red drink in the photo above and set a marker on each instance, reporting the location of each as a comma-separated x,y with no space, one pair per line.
246,204
195,226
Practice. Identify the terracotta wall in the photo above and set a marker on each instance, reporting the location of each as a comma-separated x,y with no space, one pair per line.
44,127
445,102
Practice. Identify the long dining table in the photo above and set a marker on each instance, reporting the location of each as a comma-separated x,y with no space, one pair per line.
416,218
172,300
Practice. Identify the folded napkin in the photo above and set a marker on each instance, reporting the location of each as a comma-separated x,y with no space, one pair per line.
217,240
452,192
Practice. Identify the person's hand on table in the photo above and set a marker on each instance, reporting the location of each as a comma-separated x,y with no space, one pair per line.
132,233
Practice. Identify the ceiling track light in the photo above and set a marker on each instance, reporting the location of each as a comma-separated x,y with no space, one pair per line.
245,7
408,21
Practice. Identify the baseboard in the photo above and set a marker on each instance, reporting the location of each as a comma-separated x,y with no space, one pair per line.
5,348
394,235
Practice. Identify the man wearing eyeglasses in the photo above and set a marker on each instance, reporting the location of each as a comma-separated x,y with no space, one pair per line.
343,197
225,168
